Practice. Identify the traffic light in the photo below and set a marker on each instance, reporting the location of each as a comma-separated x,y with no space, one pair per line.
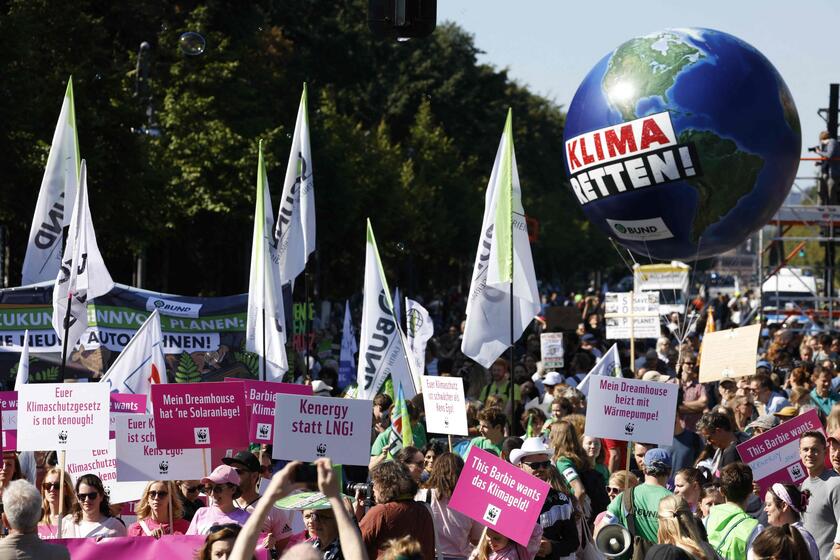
402,19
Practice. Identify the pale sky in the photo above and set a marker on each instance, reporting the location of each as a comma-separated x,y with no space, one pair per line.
551,45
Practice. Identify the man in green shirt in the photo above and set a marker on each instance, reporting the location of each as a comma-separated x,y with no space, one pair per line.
646,496
491,424
501,384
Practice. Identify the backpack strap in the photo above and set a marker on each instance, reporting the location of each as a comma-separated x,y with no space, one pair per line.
723,540
629,510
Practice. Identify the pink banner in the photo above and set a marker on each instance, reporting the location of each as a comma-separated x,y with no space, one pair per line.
128,404
139,548
774,455
199,415
499,495
8,411
259,397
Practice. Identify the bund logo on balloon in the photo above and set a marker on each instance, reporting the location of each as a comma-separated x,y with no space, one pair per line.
681,143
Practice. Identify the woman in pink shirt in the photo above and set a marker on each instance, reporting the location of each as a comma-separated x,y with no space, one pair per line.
153,514
453,530
223,488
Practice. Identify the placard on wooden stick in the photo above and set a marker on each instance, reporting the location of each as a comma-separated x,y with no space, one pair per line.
729,354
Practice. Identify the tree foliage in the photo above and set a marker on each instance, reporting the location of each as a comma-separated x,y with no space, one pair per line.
403,133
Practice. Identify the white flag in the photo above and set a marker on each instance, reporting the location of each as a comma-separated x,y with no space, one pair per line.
295,229
608,365
141,362
346,360
266,328
22,377
419,329
83,275
383,352
58,191
504,254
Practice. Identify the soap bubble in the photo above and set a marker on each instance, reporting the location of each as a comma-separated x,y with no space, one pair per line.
191,43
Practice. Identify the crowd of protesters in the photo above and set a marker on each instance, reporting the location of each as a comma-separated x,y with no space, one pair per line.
693,499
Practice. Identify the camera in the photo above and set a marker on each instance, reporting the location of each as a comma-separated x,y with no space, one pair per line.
366,488
813,148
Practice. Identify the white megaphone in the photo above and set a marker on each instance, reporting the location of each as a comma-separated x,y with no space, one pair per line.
613,541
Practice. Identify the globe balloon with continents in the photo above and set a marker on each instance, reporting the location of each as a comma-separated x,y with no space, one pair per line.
680,144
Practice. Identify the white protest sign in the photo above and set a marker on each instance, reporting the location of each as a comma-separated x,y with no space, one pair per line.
645,315
551,350
138,457
631,410
446,411
306,428
730,353
63,416
102,463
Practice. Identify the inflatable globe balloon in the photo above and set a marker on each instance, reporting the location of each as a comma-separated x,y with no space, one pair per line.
680,144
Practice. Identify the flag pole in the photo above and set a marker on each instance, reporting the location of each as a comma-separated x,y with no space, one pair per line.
306,319
64,343
262,374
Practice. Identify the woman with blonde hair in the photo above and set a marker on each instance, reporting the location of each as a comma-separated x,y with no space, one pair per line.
153,516
619,482
678,526
569,456
48,526
406,548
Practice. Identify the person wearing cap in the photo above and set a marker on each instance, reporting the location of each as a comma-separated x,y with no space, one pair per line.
646,496
280,525
730,528
587,344
321,389
823,513
222,486
767,395
822,395
787,413
762,424
543,402
560,536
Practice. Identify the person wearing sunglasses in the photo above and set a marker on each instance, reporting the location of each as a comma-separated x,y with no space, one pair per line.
619,482
48,526
153,515
189,492
222,487
560,537
280,525
91,515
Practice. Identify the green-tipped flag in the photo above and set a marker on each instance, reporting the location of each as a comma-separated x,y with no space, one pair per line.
266,329
382,349
503,263
55,199
407,434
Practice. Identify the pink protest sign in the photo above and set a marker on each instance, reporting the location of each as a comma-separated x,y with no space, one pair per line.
124,403
8,411
259,398
128,403
140,548
199,415
499,495
774,455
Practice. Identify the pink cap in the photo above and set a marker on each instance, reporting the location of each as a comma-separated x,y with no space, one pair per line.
221,475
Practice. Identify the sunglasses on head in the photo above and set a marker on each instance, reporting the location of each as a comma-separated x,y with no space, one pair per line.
87,496
154,494
232,526
537,465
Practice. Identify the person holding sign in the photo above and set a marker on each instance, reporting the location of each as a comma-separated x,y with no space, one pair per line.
280,524
223,487
91,515
48,527
153,515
